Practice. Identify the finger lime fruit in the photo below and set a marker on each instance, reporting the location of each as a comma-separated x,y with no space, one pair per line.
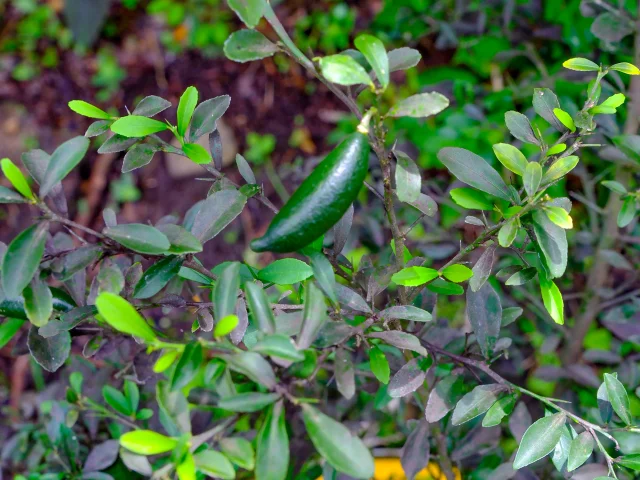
321,200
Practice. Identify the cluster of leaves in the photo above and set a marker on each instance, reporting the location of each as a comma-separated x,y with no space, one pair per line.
268,344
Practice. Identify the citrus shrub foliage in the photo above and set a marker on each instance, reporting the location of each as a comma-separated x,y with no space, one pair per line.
259,365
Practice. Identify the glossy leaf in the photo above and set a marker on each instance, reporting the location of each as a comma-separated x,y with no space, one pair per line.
138,156
559,169
499,410
248,45
344,70
552,240
565,119
627,212
181,240
471,198
482,268
618,398
279,346
405,312
375,53
16,178
247,402
249,11
552,299
197,153
272,446
532,178
22,259
408,379
324,275
214,464
225,293
544,103
217,211
539,440
38,302
260,307
285,272
136,126
581,65
475,403
559,216
421,105
50,352
139,237
507,233
443,398
511,158
187,366
625,67
314,316
87,110
253,366
403,58
147,442
150,106
157,276
206,115
408,180
414,276
580,451
457,273
379,365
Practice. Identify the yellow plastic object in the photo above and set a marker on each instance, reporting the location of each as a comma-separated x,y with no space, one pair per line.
391,469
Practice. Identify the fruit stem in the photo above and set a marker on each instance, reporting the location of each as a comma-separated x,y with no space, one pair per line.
364,123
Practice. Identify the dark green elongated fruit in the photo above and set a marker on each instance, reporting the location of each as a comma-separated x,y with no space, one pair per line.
322,199
14,308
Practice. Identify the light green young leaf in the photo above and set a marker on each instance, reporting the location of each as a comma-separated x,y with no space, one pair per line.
559,216
552,299
499,410
186,107
421,105
618,397
414,276
134,126
556,149
471,198
565,119
248,45
508,233
38,302
625,67
539,440
375,53
627,212
16,178
379,365
581,65
532,178
342,450
122,316
87,110
559,169
344,70
457,273
147,442
511,158
474,171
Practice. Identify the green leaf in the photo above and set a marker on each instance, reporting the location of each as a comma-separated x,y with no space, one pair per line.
87,110
217,211
581,65
50,352
511,158
239,451
522,277
483,267
139,238
559,216
520,127
279,346
471,198
614,186
375,53
559,169
379,365
22,259
38,302
122,316
614,101
627,212
188,366
414,276
475,403
8,328
285,272
249,11
457,273
324,275
248,402
117,143
484,312
157,276
248,45
116,400
65,158
425,204
186,107
134,126
408,379
253,366
214,464
618,398
552,299
499,410
314,316
556,149
9,196
197,153
552,240
565,119
225,292
507,233
342,450
561,450
147,442
186,470
544,103
272,446
260,307
625,67
630,461
532,178
580,450
443,398
401,340
206,115
344,70
442,287
421,105
226,325
138,156
182,241
408,180
539,440
150,106
16,178
405,312
474,171
629,145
